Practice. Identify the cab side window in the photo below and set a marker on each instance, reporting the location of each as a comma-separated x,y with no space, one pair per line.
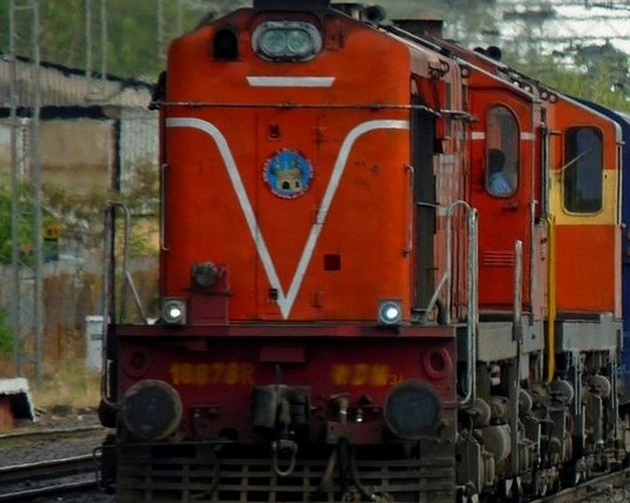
582,171
501,163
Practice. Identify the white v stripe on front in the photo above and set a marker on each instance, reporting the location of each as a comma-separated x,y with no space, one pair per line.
285,301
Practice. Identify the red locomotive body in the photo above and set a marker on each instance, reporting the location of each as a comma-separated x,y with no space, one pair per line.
300,257
293,200
324,335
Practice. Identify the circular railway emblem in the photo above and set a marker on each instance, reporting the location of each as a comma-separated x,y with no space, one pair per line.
288,173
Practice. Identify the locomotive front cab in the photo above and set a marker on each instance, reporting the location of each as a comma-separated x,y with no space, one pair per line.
304,179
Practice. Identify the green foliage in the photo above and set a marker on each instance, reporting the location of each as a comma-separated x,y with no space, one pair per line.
132,43
81,215
143,200
24,222
594,82
134,49
142,189
142,245
6,337
5,225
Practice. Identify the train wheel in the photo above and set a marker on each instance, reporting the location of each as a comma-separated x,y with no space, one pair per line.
107,478
511,490
573,473
467,495
540,483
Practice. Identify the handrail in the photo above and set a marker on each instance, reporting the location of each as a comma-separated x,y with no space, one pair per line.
517,336
109,289
517,308
108,303
473,291
163,174
533,262
473,304
551,300
110,266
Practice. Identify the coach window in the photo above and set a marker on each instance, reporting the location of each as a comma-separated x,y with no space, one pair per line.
501,163
582,170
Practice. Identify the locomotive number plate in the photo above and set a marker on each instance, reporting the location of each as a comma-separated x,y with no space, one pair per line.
363,374
201,374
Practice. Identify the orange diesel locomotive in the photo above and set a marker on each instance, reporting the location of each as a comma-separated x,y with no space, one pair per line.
324,335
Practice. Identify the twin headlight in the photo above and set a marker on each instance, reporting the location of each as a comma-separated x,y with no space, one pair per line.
287,40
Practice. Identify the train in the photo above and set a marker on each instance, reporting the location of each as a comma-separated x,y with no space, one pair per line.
392,269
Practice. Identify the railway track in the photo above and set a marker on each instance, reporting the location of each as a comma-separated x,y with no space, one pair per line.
25,481
51,432
47,478
590,490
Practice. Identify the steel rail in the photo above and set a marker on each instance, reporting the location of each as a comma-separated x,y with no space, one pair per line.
50,468
588,489
48,477
29,494
52,432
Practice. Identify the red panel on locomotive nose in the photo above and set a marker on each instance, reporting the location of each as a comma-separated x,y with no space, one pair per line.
306,204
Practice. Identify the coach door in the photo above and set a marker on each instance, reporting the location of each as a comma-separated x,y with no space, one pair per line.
502,190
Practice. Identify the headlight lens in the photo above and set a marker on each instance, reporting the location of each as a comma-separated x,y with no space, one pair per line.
174,311
299,42
413,409
389,312
274,42
286,40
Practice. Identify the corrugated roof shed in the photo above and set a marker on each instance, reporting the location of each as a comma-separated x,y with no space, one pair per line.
62,86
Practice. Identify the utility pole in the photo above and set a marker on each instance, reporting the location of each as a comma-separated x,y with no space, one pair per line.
95,88
164,33
27,307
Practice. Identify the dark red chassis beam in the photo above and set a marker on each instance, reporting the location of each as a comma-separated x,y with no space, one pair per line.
282,330
223,363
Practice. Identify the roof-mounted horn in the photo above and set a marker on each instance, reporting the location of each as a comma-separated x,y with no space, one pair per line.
373,14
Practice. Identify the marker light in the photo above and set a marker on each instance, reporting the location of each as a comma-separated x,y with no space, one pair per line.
389,312
205,274
174,311
286,40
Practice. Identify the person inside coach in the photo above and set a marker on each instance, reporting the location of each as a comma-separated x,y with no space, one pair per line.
498,183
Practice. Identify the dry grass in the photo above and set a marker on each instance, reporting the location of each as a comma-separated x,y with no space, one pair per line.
68,382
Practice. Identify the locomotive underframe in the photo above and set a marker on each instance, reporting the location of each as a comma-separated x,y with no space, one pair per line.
212,472
567,429
340,458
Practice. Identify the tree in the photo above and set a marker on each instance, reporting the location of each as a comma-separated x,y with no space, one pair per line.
23,221
81,215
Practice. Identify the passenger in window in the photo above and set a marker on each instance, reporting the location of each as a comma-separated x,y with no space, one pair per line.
498,183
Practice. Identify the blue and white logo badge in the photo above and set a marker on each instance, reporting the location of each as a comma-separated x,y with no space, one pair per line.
288,173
